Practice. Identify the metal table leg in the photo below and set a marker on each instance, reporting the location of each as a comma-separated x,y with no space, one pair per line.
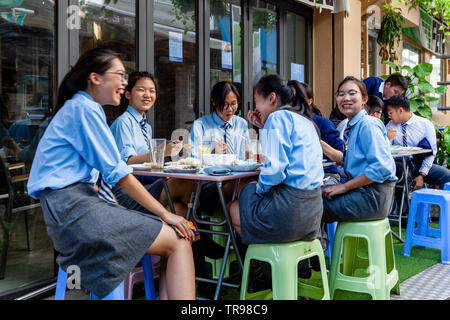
169,198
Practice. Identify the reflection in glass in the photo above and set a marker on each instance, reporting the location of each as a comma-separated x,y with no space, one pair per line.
225,43
27,78
175,55
265,39
110,24
296,50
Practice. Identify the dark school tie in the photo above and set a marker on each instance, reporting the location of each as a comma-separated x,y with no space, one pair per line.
405,143
227,138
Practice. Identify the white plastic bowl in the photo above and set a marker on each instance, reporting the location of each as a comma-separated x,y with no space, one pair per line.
218,159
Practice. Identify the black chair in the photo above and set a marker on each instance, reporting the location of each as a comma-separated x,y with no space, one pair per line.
13,193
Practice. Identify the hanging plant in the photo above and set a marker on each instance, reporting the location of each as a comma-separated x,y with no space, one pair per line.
390,32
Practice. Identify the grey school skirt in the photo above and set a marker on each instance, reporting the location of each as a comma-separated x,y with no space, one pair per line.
371,202
106,241
284,214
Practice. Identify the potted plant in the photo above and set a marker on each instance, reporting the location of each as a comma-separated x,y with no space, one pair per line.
390,32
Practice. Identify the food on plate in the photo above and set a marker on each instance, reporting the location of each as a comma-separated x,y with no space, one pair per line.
194,162
153,165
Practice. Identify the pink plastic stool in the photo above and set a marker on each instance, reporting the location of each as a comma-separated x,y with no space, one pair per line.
139,274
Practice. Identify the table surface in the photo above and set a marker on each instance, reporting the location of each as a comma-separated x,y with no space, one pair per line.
202,176
410,152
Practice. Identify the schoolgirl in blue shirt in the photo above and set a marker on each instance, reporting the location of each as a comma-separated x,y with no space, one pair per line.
133,135
368,192
104,239
285,204
227,132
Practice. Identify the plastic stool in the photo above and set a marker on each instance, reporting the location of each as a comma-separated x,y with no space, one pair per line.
283,259
381,262
60,293
216,264
331,230
144,273
423,235
447,186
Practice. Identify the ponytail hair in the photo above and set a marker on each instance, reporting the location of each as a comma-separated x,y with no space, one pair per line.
286,95
97,60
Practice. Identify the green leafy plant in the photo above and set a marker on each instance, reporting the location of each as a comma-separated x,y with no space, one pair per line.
443,148
440,9
390,32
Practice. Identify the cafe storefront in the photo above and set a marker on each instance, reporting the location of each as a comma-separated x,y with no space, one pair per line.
188,44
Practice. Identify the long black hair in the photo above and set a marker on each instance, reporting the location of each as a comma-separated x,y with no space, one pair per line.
97,60
282,88
132,80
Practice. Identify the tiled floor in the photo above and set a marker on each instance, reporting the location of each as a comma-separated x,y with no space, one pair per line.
431,284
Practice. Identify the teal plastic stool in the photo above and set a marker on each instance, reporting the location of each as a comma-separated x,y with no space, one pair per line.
283,259
383,275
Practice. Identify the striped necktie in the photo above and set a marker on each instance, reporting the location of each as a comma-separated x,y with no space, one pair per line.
227,138
346,137
145,133
405,135
105,191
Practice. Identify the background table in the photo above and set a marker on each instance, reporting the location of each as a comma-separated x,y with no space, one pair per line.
405,194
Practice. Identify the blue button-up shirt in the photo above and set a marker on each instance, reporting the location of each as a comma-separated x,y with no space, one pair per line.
76,146
210,128
292,152
127,131
368,149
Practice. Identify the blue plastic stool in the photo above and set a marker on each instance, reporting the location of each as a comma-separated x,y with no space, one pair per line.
331,230
60,294
144,273
423,235
447,186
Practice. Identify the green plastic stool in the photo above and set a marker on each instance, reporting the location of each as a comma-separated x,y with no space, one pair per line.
216,264
383,275
283,259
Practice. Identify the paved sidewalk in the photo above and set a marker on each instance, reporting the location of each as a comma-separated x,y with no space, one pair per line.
430,284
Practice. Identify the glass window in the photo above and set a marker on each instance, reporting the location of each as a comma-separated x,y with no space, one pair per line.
225,42
265,39
109,24
296,50
175,60
435,77
410,55
27,78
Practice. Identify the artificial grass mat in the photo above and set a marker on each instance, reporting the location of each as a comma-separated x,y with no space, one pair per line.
419,260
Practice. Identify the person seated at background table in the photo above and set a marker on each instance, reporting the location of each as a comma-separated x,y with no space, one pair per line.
368,191
395,84
102,238
328,132
409,130
374,108
285,204
133,135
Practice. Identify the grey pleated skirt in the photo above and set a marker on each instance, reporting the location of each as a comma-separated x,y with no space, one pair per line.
284,214
371,202
104,240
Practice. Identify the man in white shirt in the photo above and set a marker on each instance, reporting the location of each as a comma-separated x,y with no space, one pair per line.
408,130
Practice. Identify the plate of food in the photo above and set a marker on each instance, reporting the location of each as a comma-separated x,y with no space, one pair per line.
181,168
244,166
146,166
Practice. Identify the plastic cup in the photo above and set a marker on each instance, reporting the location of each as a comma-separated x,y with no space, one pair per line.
157,153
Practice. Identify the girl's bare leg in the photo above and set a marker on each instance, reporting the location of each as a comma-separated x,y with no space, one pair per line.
233,209
179,274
